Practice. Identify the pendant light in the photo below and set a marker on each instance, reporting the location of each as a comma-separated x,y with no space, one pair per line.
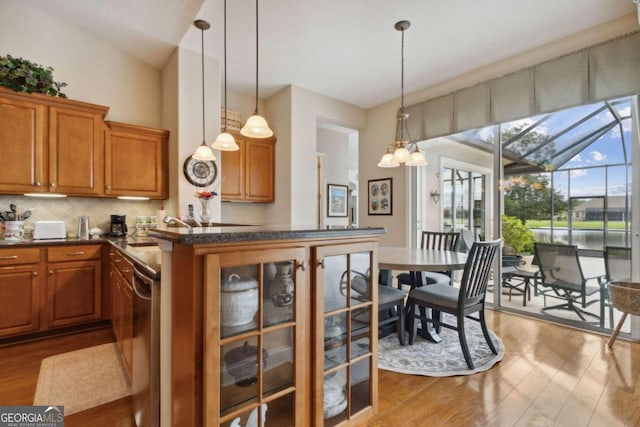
256,126
203,152
402,150
225,141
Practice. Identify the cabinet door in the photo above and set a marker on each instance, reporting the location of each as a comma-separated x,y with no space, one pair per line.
136,161
255,338
126,331
233,174
19,301
75,152
259,171
346,320
73,292
22,146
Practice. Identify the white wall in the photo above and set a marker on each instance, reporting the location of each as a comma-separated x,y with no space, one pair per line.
335,147
94,71
380,130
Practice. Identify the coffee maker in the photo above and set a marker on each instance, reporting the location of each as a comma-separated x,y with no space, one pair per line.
118,226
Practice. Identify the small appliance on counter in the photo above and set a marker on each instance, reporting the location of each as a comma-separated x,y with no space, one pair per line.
49,230
118,226
83,227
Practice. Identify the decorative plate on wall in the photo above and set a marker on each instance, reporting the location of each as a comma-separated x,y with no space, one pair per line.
200,173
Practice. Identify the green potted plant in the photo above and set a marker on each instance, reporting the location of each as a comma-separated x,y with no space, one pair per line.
22,75
517,237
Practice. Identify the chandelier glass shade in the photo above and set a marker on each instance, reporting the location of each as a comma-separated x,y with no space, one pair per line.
203,152
402,151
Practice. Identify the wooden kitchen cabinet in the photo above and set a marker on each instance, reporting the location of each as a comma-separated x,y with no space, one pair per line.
136,161
248,175
121,276
50,144
19,291
22,141
74,291
254,329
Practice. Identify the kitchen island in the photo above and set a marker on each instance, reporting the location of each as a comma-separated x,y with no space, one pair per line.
260,324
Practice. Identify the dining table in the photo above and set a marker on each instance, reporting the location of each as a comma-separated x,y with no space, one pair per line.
415,261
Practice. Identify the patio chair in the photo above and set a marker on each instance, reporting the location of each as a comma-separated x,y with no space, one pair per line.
617,267
461,302
447,241
390,300
561,273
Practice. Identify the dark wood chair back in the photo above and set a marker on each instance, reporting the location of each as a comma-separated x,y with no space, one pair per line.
447,241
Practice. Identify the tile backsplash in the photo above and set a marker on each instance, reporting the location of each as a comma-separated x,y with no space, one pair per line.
68,209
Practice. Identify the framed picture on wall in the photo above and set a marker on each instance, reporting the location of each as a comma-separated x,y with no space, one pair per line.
337,200
380,199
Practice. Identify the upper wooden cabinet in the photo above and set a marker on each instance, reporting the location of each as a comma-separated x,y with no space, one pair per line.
136,161
58,145
248,174
50,145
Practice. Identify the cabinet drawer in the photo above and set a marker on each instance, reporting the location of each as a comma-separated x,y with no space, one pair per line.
126,268
16,256
73,253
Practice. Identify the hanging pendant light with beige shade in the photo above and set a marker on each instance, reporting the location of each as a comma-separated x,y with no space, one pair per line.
225,141
402,151
203,152
256,126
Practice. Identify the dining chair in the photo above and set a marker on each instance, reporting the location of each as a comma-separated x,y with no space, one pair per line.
447,241
561,273
390,300
459,302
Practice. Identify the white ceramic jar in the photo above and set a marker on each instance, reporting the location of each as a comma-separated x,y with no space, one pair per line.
238,300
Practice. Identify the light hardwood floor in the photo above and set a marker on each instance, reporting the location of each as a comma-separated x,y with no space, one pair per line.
550,376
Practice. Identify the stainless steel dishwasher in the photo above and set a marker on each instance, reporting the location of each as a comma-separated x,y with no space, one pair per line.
145,377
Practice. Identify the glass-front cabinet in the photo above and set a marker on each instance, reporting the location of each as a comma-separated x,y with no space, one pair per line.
254,335
344,312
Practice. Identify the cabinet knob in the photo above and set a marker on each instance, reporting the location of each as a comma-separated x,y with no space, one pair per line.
125,270
303,265
321,263
50,271
37,183
53,184
108,187
35,273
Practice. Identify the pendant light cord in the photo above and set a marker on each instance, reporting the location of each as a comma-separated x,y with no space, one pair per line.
202,61
402,84
256,112
226,114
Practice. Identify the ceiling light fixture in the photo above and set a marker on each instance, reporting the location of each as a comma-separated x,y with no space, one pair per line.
203,152
402,150
256,126
225,141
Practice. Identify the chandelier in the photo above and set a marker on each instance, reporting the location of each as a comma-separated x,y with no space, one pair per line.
402,150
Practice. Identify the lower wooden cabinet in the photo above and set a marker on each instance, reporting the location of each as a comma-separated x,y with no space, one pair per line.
19,300
122,307
74,291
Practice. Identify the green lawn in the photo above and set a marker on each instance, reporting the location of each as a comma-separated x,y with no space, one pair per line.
585,225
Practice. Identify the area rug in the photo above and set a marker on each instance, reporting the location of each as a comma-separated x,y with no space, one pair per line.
82,379
442,359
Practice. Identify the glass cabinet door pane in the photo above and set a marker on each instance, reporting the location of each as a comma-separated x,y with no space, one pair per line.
335,270
360,283
360,385
335,340
335,397
360,332
239,373
279,293
252,417
280,412
239,295
278,370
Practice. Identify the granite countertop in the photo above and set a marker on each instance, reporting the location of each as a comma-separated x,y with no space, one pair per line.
227,234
